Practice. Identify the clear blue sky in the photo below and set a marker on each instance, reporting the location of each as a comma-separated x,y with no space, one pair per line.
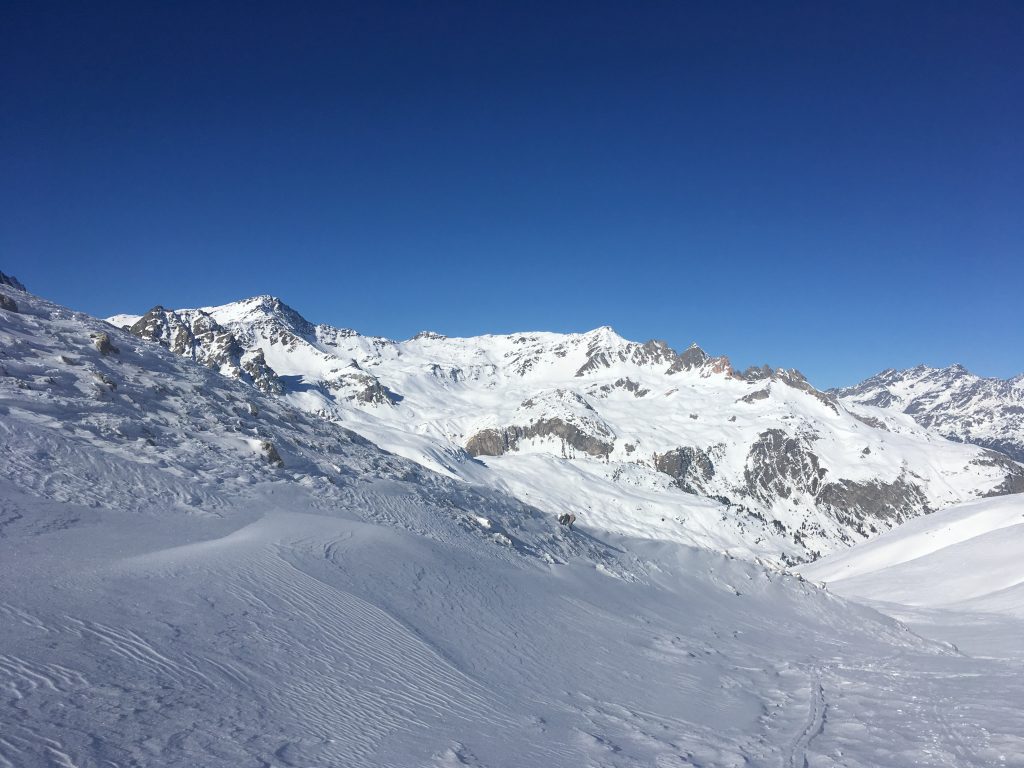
837,187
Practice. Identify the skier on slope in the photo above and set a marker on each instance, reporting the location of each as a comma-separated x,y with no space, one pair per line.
567,519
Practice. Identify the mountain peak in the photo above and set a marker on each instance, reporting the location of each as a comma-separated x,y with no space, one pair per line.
430,335
260,308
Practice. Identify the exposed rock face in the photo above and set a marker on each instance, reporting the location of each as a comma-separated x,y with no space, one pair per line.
495,442
871,421
696,359
360,387
491,442
856,504
797,380
259,373
602,354
270,454
758,394
692,468
7,303
1014,482
103,344
953,402
693,357
12,281
790,377
197,336
626,384
779,466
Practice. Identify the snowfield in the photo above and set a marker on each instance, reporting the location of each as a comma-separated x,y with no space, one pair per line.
957,574
198,574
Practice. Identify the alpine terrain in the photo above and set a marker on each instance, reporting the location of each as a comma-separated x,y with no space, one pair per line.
952,402
631,437
203,565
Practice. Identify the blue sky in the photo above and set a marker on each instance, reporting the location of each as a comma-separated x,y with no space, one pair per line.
833,187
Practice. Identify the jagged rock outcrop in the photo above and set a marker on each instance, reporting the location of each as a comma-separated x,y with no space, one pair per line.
7,303
696,359
791,377
12,281
495,442
196,335
270,454
626,384
692,468
779,466
757,394
360,387
103,345
1014,482
601,353
561,414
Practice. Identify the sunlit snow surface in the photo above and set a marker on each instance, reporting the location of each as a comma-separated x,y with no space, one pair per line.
171,598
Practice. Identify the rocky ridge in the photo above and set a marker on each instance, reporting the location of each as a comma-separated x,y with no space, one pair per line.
952,401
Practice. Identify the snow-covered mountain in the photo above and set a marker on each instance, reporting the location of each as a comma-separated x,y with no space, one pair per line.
631,437
195,572
952,402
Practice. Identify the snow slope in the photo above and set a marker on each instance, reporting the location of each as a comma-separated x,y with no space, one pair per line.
957,574
652,442
177,593
952,402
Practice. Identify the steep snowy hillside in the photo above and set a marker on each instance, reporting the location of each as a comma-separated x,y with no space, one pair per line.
959,574
970,553
195,573
634,438
952,402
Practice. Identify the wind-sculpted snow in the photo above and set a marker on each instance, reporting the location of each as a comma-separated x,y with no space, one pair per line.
788,471
172,596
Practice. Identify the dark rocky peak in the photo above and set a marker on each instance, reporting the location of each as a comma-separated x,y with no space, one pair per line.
696,359
164,326
428,335
652,352
757,373
693,356
12,281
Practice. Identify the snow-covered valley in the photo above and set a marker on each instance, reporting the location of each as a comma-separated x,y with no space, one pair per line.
200,569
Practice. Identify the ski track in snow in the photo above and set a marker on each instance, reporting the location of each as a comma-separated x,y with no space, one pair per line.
815,723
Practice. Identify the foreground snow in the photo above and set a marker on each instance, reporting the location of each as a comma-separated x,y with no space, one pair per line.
173,595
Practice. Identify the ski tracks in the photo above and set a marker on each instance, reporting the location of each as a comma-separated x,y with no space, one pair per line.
814,724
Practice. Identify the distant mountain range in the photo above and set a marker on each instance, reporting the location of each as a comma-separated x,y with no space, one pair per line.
631,437
952,402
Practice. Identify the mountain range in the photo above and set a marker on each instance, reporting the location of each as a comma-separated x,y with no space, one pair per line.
632,437
952,402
